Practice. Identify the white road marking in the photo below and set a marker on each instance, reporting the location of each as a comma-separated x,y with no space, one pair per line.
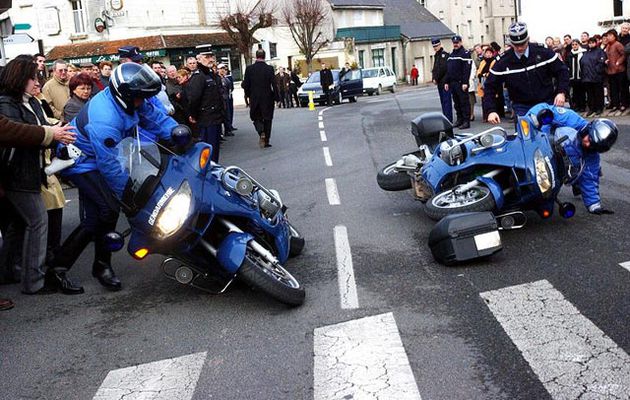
322,111
320,117
572,357
322,135
175,378
321,124
333,193
626,265
345,269
327,157
362,359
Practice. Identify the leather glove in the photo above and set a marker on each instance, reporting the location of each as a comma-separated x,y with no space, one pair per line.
602,211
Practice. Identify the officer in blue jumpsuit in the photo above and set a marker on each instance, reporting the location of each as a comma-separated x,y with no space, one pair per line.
528,71
457,78
586,140
117,112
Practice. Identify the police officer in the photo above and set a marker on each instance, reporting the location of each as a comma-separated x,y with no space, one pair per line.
438,74
205,101
585,141
528,71
458,67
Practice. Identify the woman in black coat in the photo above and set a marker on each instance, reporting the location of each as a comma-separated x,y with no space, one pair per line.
23,174
80,87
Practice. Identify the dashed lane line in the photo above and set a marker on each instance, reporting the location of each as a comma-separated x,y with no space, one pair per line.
327,157
625,265
321,124
572,357
345,269
322,135
332,192
362,359
174,378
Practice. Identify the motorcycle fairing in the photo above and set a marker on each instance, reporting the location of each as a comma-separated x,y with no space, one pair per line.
231,252
495,189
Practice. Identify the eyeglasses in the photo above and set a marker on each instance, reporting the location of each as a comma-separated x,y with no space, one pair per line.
63,70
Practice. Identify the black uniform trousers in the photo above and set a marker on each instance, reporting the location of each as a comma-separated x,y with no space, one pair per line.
461,102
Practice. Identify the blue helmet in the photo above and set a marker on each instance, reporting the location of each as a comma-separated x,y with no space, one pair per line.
602,134
131,81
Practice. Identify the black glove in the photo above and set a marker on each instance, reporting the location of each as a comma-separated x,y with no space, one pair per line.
602,211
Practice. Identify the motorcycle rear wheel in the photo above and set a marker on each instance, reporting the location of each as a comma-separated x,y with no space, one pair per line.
271,279
477,198
390,180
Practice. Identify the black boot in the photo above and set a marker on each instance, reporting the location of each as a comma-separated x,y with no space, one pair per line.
59,281
465,125
457,123
102,269
63,260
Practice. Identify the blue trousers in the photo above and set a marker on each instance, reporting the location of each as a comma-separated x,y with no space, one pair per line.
446,102
212,135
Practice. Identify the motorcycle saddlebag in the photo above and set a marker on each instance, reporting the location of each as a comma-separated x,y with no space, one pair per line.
431,128
463,237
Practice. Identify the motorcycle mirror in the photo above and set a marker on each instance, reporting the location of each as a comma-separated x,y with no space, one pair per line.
487,140
181,135
545,117
114,241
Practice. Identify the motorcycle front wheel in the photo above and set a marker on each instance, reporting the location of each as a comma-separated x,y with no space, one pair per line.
271,278
391,180
477,198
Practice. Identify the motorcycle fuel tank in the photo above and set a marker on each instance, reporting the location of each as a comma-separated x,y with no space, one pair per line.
463,237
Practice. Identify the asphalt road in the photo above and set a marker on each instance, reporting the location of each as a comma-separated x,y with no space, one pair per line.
63,347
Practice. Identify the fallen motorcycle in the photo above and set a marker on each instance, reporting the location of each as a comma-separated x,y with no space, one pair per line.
213,223
488,171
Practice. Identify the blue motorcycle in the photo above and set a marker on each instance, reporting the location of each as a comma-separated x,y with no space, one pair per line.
213,223
489,171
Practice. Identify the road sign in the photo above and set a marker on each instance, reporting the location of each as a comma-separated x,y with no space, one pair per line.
21,27
18,38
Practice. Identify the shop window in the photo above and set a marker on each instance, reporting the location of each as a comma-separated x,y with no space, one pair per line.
378,57
361,55
78,15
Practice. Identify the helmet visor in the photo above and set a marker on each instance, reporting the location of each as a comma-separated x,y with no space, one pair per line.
144,83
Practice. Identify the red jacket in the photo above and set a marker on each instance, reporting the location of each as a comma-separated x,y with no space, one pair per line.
616,58
414,72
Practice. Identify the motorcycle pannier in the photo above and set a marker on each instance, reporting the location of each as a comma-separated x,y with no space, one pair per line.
464,237
431,128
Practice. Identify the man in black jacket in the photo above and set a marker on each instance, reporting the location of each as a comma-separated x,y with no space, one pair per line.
439,78
260,88
326,80
528,71
457,78
205,102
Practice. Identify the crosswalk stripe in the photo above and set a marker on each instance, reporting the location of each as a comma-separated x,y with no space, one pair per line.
362,359
174,378
626,265
572,357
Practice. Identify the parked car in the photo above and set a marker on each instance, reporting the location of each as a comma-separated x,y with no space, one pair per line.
349,87
376,79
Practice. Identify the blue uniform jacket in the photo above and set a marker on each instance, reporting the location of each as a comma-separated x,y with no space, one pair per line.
568,123
458,67
529,80
103,120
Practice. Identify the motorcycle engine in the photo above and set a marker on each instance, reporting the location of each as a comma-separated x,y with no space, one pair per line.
268,207
451,152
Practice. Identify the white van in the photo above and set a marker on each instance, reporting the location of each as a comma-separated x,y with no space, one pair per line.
376,79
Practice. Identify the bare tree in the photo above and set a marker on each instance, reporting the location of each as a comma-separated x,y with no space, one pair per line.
305,19
241,24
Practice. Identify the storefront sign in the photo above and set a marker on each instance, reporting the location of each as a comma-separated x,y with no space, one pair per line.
99,25
49,21
111,57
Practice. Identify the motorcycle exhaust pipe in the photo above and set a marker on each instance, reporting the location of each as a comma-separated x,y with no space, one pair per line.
257,247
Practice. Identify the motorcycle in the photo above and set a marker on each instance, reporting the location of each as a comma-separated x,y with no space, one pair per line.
488,171
214,223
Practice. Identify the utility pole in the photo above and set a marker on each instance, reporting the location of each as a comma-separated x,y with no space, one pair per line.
516,10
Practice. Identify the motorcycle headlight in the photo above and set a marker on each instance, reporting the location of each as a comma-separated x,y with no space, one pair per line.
544,177
175,212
